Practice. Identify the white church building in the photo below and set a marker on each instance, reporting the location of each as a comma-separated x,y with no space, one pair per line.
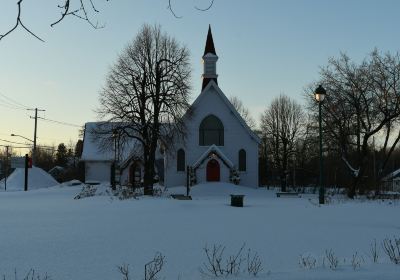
218,147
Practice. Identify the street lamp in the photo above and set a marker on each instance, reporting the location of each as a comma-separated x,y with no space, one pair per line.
12,134
319,94
34,146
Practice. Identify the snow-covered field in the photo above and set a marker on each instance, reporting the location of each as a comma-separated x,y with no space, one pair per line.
49,231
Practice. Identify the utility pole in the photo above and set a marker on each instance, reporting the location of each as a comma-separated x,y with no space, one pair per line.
6,169
34,134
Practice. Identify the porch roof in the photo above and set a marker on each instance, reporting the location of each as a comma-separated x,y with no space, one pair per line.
213,149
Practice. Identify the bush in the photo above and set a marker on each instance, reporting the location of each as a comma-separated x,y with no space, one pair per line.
332,259
31,275
392,249
356,261
307,261
218,265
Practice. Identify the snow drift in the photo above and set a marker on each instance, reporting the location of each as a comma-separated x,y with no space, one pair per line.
37,179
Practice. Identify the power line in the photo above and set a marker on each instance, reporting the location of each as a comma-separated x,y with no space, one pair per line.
19,143
8,106
60,122
15,147
11,103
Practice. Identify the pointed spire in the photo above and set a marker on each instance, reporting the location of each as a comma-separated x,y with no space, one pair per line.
209,43
209,61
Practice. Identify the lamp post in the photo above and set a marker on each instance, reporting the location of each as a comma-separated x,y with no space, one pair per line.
34,146
113,167
319,94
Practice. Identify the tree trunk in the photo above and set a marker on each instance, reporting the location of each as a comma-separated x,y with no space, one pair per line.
148,172
283,181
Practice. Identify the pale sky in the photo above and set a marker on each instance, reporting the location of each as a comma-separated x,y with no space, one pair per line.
265,48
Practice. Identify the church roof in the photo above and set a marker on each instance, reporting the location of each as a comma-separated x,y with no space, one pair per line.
213,149
209,43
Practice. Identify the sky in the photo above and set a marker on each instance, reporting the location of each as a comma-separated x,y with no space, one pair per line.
265,48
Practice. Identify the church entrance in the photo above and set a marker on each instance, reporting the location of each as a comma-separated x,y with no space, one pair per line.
213,171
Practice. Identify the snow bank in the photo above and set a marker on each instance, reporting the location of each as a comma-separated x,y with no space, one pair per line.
37,179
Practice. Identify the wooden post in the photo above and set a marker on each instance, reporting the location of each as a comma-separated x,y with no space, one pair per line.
113,185
26,172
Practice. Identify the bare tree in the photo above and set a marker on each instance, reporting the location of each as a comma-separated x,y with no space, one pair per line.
282,124
362,101
243,111
85,10
146,93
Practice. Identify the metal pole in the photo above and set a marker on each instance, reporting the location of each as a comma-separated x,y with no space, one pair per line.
321,185
113,184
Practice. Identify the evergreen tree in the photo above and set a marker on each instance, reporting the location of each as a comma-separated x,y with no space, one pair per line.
61,155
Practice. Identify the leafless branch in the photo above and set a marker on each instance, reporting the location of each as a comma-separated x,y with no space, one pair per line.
81,12
124,270
20,23
152,268
206,9
169,7
392,249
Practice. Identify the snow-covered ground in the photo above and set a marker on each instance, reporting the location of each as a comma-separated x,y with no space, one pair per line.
46,229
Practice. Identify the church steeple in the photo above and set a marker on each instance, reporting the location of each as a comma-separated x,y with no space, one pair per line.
209,43
209,61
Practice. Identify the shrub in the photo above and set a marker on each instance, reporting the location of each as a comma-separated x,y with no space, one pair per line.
392,249
218,265
307,261
332,259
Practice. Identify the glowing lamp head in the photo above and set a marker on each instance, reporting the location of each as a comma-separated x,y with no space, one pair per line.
320,93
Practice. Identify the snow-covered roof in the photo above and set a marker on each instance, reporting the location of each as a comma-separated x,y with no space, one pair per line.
98,144
213,149
392,175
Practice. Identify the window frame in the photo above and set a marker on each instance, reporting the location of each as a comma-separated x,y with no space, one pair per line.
242,160
204,130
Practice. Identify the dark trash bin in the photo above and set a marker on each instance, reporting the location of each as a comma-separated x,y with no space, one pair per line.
237,200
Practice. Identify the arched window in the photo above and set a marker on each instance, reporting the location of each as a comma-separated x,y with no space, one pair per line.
211,131
242,160
180,160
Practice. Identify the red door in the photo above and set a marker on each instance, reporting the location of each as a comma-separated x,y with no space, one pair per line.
212,170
